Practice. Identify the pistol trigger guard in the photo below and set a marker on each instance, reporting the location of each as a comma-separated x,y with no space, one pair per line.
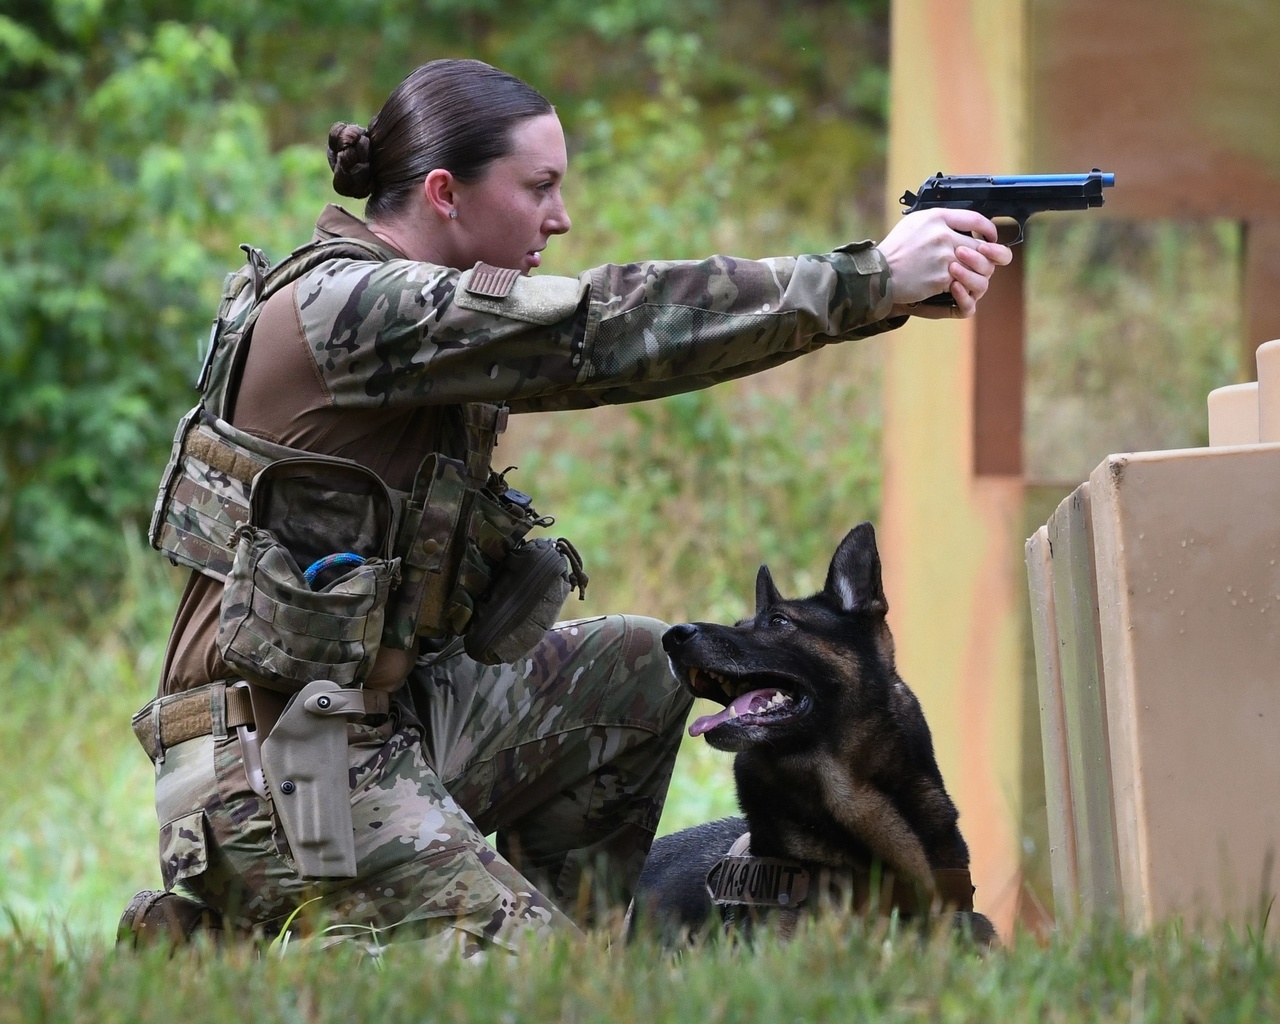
1002,219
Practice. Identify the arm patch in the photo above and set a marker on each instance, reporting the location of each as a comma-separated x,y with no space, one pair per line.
535,300
491,282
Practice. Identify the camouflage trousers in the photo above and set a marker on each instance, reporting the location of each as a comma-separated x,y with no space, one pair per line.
565,756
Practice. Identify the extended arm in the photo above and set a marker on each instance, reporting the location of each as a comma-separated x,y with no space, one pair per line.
411,333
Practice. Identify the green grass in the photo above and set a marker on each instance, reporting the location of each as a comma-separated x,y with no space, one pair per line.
76,824
835,971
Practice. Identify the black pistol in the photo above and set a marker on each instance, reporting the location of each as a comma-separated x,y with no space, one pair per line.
1011,196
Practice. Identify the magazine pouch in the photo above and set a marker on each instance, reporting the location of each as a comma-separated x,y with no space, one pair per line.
433,534
307,593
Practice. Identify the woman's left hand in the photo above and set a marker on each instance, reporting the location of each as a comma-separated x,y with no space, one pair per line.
971,271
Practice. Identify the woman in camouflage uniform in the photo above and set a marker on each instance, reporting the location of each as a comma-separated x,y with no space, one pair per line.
567,753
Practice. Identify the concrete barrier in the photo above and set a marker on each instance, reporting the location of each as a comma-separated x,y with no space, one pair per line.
1155,594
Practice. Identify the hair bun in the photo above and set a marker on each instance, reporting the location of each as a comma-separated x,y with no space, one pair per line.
348,153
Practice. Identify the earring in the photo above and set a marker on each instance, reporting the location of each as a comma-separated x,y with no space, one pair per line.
453,214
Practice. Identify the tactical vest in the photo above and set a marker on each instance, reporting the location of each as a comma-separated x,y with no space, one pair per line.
322,563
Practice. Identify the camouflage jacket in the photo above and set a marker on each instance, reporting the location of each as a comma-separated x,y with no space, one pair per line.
410,333
360,358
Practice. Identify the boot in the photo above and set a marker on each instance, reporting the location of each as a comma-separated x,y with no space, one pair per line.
153,916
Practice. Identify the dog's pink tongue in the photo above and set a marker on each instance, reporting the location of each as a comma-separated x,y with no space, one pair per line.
748,704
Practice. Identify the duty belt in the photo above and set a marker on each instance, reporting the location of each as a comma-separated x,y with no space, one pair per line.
212,710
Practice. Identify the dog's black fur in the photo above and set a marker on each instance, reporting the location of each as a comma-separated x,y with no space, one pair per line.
838,773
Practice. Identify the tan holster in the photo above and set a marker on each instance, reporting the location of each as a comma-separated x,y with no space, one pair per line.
304,761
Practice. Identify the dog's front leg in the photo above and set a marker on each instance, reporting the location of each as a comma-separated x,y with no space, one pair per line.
870,815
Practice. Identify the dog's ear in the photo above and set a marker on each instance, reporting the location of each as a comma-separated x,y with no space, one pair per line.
853,580
766,593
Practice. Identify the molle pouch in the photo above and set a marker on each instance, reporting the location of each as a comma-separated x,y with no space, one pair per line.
524,600
432,537
285,626
204,493
499,521
201,501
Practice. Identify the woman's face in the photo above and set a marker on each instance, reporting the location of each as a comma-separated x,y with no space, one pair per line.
506,217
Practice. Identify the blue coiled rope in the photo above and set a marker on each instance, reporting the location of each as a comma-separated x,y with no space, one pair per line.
341,560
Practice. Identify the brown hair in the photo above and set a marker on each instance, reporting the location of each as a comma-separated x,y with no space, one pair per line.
452,114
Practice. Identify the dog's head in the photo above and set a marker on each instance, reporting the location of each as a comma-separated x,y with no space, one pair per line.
796,662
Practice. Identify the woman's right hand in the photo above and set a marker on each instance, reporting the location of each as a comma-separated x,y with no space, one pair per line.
936,251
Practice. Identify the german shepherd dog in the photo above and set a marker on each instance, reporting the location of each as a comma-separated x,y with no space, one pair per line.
835,769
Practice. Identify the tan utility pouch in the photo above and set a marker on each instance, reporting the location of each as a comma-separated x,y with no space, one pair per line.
284,625
524,601
304,760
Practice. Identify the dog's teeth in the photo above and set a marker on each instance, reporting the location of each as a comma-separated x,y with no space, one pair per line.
703,681
733,712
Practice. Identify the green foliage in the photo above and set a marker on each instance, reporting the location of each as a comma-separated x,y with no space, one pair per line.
675,511
1131,325
119,220
77,829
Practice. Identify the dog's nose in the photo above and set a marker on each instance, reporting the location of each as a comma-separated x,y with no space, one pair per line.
677,636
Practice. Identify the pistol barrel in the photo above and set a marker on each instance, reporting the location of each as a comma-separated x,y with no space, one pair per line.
1026,193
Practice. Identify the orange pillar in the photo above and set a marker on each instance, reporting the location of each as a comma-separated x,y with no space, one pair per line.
952,519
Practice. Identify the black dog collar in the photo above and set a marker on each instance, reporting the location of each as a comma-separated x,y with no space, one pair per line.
739,879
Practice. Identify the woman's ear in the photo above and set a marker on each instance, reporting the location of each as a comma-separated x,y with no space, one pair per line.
439,189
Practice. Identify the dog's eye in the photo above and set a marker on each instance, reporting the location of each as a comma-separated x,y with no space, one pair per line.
778,619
